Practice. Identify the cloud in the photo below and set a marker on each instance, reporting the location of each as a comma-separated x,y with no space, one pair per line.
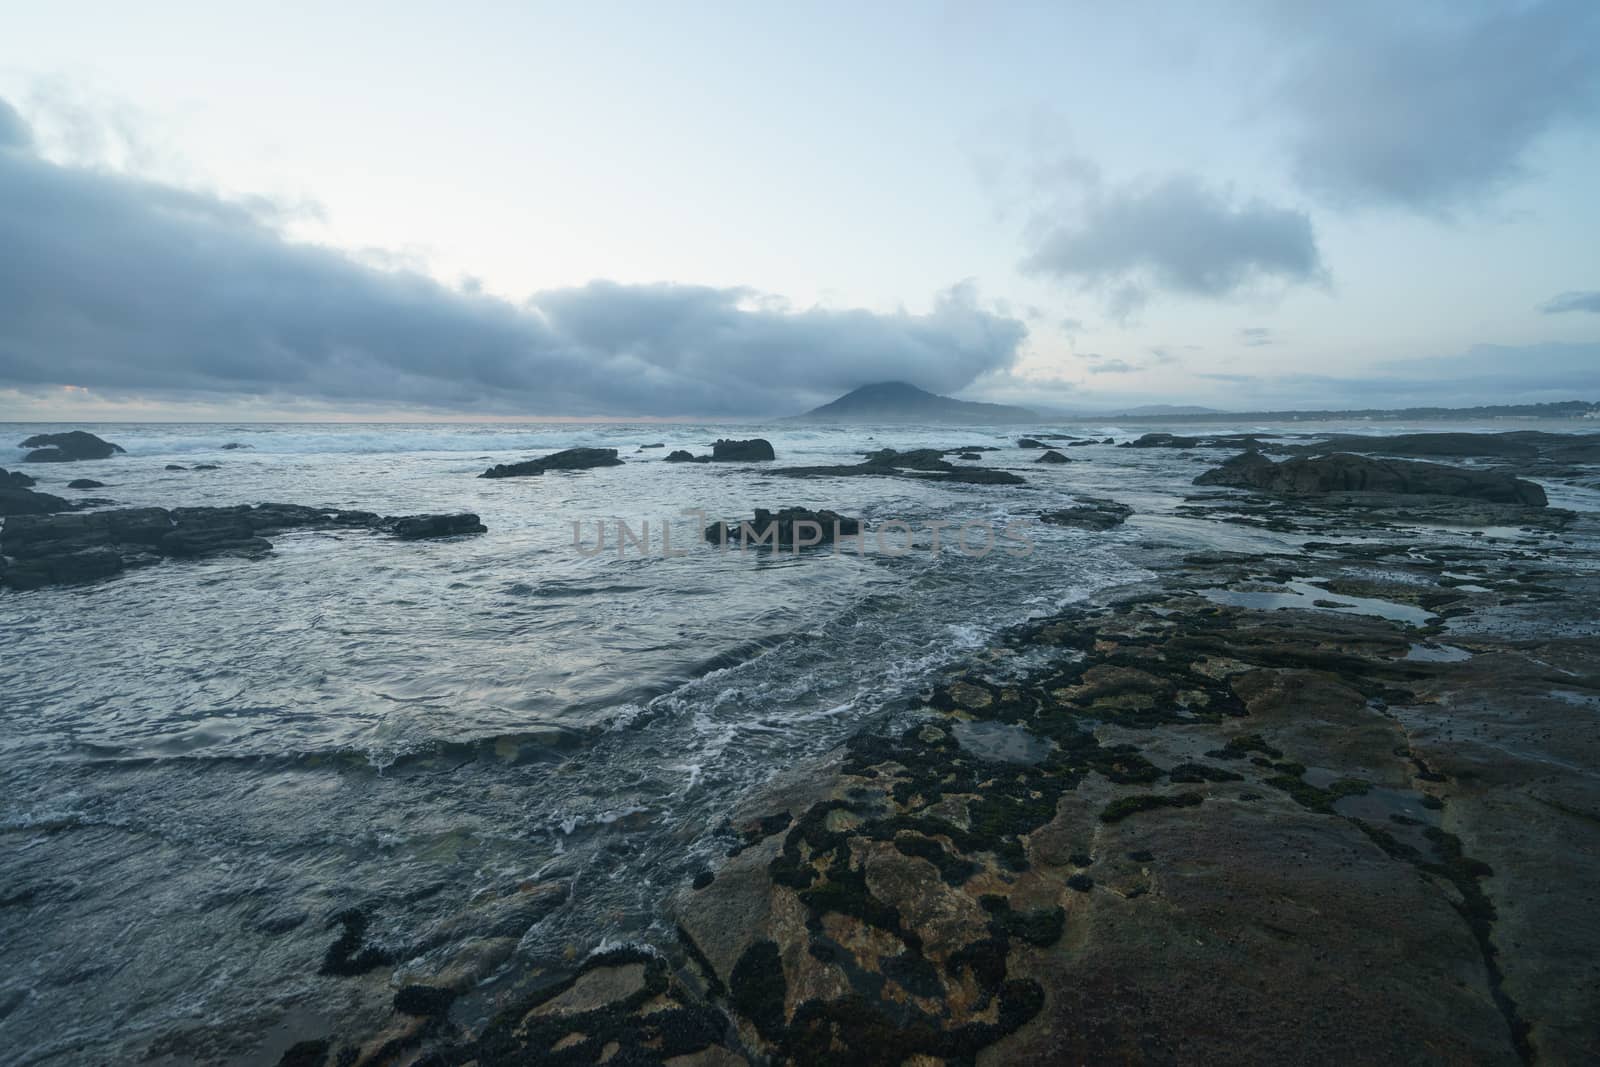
1176,234
1427,107
1586,300
14,132
1256,336
1113,366
139,289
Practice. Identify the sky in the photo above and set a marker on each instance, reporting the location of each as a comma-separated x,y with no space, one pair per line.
215,210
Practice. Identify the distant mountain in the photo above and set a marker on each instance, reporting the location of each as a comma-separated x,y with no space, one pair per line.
1171,409
898,400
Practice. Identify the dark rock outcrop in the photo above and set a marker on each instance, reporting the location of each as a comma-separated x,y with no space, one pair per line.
419,527
918,459
52,549
1343,472
1029,442
571,459
1052,456
1162,440
176,467
680,456
68,447
15,480
233,446
789,528
18,501
1095,513
754,450
85,483
205,467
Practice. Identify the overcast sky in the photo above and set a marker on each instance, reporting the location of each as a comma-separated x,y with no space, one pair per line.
210,210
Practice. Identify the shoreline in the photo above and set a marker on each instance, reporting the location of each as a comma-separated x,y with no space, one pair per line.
1157,829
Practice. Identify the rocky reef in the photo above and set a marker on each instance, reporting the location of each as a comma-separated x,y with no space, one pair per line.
1345,472
571,459
927,464
60,549
68,447
1093,513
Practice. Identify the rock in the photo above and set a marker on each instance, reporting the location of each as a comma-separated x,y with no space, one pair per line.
969,455
232,446
918,459
418,527
571,459
85,483
176,467
17,501
205,467
1029,442
1094,513
1162,440
1052,457
56,549
980,476
658,444
680,456
15,480
1510,445
754,450
1343,472
784,528
883,468
68,447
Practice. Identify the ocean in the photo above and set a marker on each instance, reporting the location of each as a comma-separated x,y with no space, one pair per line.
202,762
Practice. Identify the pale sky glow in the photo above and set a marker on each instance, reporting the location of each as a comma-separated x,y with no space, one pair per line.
1225,204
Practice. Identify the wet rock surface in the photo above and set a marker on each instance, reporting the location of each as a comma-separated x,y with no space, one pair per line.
15,500
68,447
922,463
786,529
1094,513
754,450
571,459
1344,472
63,549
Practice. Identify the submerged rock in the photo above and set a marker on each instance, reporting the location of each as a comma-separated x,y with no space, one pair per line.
1052,456
1029,442
1344,472
1095,513
85,483
176,467
68,447
792,528
680,456
754,450
418,527
571,459
232,446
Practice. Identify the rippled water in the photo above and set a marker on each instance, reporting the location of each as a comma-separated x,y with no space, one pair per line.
202,761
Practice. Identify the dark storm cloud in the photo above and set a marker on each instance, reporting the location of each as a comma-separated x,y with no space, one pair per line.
133,288
1575,301
1177,234
1430,106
